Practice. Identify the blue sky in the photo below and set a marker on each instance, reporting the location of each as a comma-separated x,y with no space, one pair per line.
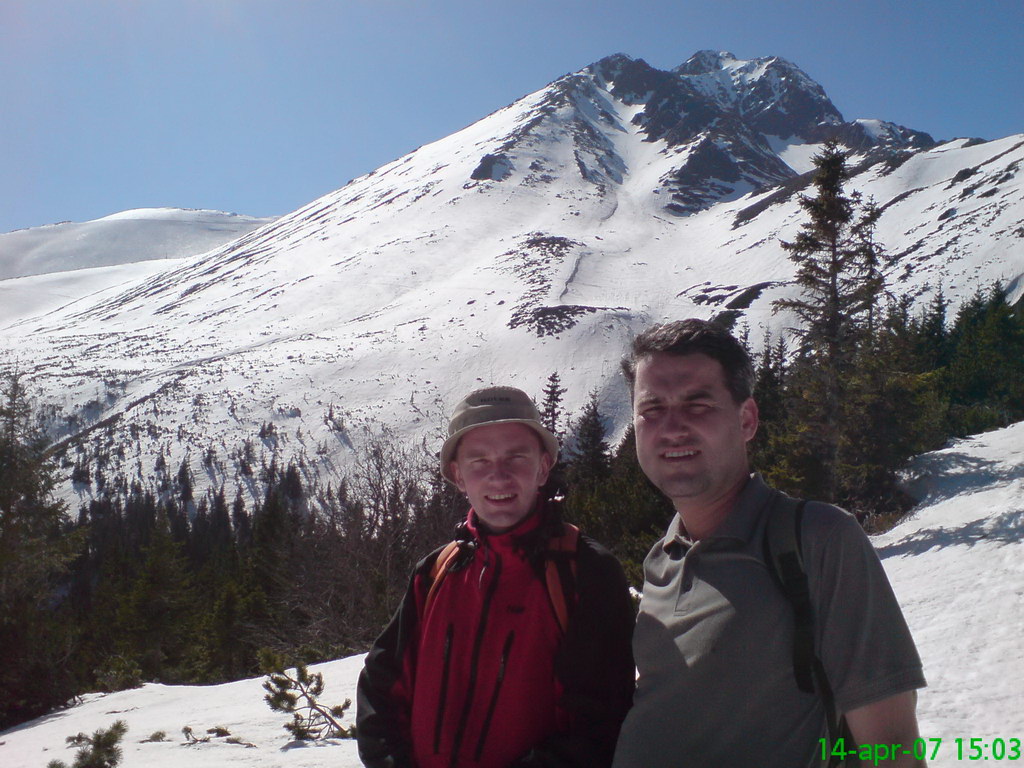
260,106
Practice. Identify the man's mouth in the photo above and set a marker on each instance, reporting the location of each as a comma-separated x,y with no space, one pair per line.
500,497
680,453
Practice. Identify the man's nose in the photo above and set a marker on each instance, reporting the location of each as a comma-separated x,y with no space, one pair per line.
675,422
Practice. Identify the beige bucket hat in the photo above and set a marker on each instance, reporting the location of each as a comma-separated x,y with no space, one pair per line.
493,405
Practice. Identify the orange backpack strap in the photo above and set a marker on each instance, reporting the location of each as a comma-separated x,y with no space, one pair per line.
437,572
560,572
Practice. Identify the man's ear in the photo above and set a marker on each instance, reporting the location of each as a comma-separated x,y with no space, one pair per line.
749,419
456,473
546,462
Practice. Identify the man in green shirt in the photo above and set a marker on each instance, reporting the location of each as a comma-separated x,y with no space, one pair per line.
714,638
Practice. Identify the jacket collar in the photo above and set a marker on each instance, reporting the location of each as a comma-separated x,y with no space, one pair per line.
528,524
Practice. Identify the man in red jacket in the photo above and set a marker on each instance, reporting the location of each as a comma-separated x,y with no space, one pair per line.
480,672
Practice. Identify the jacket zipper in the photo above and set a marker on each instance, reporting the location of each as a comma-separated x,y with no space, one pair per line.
442,700
494,696
475,662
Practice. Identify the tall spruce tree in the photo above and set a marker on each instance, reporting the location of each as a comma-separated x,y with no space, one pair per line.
839,275
590,456
35,551
551,407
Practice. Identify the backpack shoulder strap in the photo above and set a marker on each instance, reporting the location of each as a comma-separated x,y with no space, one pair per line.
439,569
784,556
785,559
560,572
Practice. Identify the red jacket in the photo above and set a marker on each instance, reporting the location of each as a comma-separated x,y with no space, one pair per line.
485,678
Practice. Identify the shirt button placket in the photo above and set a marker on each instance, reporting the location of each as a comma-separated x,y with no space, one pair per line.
689,563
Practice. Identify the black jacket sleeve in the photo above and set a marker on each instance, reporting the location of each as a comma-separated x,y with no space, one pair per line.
595,666
382,705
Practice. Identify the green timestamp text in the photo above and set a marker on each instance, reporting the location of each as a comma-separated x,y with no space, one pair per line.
996,749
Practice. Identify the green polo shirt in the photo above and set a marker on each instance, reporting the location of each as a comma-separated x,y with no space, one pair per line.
714,643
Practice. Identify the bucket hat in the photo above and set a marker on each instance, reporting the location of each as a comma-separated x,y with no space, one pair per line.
493,405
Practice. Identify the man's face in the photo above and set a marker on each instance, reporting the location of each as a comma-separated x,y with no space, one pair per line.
500,467
691,436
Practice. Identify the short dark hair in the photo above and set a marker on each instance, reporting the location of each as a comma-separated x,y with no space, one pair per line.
692,336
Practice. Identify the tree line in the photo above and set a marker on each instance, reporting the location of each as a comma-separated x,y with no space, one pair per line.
157,582
150,581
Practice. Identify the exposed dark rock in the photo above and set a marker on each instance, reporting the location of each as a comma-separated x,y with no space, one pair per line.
962,175
785,191
533,262
747,297
549,321
855,136
494,167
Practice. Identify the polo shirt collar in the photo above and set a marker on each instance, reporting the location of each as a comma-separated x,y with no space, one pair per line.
739,525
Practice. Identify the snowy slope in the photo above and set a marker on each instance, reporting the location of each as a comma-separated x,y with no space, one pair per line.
24,298
121,238
957,565
537,239
46,268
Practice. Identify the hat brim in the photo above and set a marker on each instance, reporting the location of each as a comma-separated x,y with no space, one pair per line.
450,446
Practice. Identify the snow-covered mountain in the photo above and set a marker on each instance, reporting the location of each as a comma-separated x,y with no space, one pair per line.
956,564
537,239
142,234
44,268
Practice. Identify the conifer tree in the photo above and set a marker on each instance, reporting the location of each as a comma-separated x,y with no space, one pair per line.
589,457
891,412
35,552
623,510
932,335
838,272
184,478
154,616
551,407
768,451
101,750
226,653
987,363
299,694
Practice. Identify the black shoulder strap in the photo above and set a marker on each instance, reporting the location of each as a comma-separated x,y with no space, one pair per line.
784,556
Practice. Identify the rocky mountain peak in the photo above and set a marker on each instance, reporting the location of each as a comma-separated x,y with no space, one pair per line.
771,94
722,116
705,62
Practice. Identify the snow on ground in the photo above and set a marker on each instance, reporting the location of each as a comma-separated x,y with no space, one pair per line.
237,707
958,568
795,152
956,564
